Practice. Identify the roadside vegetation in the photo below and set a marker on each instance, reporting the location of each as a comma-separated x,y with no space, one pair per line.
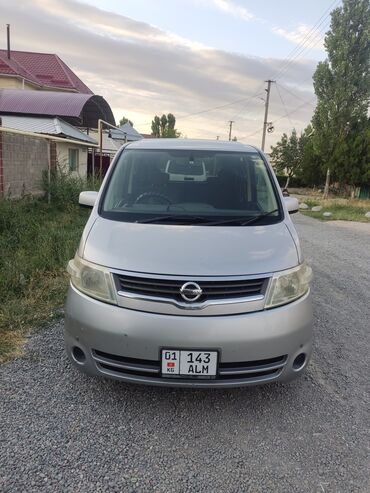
341,208
36,241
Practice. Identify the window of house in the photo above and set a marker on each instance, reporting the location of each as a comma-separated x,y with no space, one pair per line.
73,159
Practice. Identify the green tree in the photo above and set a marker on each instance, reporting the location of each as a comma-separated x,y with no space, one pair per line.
287,155
124,120
156,127
342,87
311,171
352,157
164,126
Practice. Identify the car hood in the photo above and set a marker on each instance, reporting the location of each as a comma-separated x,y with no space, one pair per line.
191,250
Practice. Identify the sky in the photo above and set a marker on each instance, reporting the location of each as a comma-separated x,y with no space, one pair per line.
205,61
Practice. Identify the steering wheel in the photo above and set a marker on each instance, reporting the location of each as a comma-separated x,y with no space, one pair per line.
153,194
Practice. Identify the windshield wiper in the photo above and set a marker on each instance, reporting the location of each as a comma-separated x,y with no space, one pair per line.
173,217
239,220
260,216
204,220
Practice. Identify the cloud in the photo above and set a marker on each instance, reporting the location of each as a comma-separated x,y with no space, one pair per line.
142,70
308,36
106,23
232,8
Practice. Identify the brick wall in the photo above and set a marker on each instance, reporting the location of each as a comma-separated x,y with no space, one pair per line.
23,160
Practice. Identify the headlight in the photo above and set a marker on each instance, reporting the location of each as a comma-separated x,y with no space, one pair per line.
92,279
288,285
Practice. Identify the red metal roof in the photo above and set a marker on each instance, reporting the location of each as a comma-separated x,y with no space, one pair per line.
44,69
82,109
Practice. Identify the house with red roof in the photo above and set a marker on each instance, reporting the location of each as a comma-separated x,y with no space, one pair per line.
46,115
38,71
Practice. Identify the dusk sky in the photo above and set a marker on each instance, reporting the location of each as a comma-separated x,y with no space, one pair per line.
208,57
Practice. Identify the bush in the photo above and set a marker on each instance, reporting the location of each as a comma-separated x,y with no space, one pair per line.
65,187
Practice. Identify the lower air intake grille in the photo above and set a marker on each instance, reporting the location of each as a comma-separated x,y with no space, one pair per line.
151,369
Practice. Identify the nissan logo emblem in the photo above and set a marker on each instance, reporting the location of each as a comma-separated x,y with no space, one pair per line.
191,291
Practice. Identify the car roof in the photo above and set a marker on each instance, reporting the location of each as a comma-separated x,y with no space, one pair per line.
194,144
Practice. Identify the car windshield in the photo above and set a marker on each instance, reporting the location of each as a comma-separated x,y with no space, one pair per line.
188,187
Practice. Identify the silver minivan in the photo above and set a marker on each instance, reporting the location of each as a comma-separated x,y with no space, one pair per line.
189,272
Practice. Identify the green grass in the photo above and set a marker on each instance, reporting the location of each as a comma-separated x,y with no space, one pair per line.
36,242
341,209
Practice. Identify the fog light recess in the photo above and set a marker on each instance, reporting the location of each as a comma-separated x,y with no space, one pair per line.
78,355
299,362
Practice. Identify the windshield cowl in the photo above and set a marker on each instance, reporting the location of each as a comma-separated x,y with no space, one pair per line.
207,221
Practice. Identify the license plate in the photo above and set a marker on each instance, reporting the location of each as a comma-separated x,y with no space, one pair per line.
190,364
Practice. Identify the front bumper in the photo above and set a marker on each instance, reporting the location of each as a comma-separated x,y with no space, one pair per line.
115,342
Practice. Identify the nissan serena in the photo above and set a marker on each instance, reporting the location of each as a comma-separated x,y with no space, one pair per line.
189,272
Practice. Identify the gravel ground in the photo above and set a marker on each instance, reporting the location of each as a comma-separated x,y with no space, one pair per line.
61,431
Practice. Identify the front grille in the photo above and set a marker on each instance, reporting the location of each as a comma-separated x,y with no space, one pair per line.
170,288
257,370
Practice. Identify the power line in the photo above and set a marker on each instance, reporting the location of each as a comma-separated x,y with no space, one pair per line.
240,114
303,49
250,135
276,120
217,107
294,95
314,42
301,46
313,36
214,108
283,104
313,39
290,112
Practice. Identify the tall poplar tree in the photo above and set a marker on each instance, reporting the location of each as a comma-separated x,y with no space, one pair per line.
342,87
164,126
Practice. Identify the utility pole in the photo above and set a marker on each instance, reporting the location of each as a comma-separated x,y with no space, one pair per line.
230,128
265,122
8,40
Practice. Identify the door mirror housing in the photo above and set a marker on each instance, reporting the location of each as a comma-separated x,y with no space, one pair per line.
291,204
87,199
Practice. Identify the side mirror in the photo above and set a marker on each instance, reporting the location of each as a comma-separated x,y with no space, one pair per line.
291,204
87,199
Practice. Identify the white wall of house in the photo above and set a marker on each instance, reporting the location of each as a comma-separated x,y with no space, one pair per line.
72,157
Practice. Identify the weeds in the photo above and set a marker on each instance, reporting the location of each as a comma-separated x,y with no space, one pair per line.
36,242
65,186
